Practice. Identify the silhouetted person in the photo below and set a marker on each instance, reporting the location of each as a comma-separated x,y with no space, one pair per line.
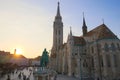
19,75
55,78
8,77
24,77
28,78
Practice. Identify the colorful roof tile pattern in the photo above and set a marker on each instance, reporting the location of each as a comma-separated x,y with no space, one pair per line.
101,32
79,40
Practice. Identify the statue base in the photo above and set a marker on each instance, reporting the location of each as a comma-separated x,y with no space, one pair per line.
43,73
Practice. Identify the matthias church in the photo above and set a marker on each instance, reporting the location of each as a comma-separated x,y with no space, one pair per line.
93,55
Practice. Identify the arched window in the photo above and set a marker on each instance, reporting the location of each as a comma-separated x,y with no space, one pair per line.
92,49
118,46
59,41
101,60
108,60
85,63
106,47
112,47
59,32
92,61
115,60
56,32
99,47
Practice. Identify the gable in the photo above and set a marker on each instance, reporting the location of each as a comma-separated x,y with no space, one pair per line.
101,32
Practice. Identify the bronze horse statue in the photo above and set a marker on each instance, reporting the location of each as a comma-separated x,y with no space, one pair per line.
44,59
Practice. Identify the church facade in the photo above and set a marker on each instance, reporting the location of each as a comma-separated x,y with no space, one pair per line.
93,55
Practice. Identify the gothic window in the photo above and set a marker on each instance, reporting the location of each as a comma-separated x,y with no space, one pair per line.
92,61
85,50
59,32
85,64
92,49
59,41
106,47
99,47
112,47
84,53
115,60
108,60
75,54
101,60
56,32
118,46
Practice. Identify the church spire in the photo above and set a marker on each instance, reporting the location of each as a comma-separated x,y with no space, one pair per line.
84,27
58,16
57,30
84,23
58,9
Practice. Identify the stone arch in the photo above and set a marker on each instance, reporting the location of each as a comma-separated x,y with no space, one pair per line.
108,59
106,47
99,47
113,47
85,63
118,46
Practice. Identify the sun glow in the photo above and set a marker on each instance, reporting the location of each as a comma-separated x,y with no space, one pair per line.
18,51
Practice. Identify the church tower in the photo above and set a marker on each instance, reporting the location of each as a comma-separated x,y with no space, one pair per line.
57,39
84,27
57,30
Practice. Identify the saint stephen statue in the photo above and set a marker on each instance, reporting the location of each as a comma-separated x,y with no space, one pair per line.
44,59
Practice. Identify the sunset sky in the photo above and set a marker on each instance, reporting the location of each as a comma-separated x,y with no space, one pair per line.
28,24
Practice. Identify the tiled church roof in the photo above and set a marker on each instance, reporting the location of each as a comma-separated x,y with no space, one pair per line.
101,32
78,40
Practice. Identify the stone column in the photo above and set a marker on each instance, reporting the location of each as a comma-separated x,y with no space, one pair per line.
104,66
96,67
113,65
70,60
63,66
78,67
69,66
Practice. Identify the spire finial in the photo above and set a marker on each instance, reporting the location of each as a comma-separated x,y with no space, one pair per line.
58,9
70,30
84,27
70,27
83,15
58,3
103,21
84,24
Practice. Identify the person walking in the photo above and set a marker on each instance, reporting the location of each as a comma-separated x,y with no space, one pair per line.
8,77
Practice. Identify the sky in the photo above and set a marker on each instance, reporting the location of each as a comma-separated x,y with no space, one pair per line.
28,24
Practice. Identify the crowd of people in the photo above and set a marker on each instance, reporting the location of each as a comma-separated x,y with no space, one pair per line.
19,74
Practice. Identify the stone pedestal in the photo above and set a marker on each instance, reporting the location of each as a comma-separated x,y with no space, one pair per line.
44,74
